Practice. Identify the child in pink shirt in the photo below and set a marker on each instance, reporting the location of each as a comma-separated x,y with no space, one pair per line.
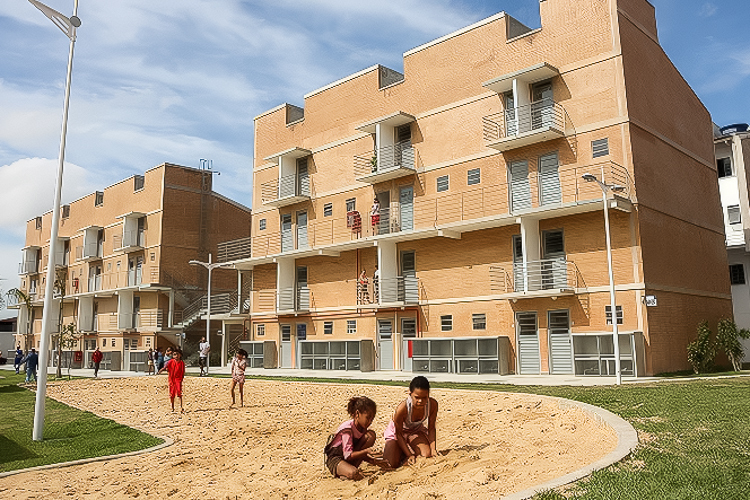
352,442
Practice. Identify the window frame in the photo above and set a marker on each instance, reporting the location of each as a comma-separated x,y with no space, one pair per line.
735,278
262,224
608,315
734,216
446,322
328,210
479,319
477,172
438,187
351,326
328,328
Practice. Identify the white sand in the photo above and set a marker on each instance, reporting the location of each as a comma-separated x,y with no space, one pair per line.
493,444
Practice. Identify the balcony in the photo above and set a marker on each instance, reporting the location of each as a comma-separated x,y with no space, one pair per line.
389,292
524,125
30,267
130,241
229,251
541,278
150,320
293,300
386,163
89,252
287,190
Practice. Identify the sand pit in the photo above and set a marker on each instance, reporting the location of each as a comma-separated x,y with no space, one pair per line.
493,444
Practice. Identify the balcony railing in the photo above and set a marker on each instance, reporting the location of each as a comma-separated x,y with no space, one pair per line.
294,299
228,251
148,319
221,303
287,190
516,127
536,276
401,290
89,251
388,162
30,267
130,241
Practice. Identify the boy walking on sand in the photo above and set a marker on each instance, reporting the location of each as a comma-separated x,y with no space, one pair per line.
176,370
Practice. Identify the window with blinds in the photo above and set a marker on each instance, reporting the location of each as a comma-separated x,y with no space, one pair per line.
600,147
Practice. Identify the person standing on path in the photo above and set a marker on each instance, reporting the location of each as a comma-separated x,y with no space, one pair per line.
151,364
17,359
239,363
32,362
203,349
97,357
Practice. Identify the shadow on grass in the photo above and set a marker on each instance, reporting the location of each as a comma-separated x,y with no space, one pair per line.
13,451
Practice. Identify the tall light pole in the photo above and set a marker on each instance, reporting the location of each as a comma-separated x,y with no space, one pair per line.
210,266
613,303
67,25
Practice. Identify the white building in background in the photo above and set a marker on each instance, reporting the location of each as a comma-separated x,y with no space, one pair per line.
733,164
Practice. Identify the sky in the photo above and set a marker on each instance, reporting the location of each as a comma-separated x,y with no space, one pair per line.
180,81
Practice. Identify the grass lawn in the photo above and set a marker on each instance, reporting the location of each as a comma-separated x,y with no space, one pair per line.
695,439
69,434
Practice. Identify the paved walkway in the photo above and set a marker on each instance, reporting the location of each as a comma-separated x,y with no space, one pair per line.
546,380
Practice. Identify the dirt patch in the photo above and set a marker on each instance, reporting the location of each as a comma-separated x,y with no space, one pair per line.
492,443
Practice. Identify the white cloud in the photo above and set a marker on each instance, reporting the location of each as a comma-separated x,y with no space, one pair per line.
708,9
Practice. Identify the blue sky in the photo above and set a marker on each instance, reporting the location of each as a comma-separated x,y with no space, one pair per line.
180,81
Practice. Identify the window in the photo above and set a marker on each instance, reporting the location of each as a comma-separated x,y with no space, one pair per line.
113,342
403,133
473,176
328,210
138,182
328,327
104,342
262,224
351,326
442,183
351,204
286,333
260,330
65,211
737,274
38,222
446,322
733,214
99,199
133,343
600,147
553,243
724,166
608,311
479,321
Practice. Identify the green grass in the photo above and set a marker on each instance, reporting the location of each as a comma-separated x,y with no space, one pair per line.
696,446
69,434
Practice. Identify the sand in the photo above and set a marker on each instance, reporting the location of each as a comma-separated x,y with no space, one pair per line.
492,443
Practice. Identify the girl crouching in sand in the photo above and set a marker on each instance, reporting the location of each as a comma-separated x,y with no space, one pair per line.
412,433
352,442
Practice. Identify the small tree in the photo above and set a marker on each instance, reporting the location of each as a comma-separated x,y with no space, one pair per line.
701,351
728,340
67,339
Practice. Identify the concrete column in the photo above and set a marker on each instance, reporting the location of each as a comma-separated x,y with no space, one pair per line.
170,317
388,266
224,343
530,242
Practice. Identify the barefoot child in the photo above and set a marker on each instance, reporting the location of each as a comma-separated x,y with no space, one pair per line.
412,433
176,370
239,363
352,442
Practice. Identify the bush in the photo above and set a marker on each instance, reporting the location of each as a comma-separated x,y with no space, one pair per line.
701,351
728,340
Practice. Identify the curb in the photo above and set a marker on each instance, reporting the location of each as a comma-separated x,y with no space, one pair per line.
627,440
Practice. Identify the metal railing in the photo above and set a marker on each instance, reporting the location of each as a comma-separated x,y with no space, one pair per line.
395,290
546,274
294,299
221,303
538,115
148,319
29,267
387,158
91,250
132,238
228,251
287,186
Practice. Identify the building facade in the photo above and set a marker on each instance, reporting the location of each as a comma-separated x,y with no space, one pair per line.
122,272
438,218
733,167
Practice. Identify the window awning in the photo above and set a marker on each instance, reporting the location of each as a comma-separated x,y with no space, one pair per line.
292,153
532,74
393,120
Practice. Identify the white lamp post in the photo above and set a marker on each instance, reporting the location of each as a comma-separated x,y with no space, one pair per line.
210,266
68,25
615,330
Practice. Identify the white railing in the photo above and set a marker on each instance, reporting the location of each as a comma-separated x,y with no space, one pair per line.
294,299
385,159
288,186
522,119
535,276
396,290
228,251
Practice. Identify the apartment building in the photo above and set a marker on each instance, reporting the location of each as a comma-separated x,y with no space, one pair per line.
460,182
122,272
733,166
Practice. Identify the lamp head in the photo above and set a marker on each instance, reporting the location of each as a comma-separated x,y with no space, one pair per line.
617,188
589,177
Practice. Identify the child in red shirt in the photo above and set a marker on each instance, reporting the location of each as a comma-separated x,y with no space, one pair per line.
176,370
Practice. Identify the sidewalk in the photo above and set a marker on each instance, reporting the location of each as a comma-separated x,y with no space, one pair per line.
397,376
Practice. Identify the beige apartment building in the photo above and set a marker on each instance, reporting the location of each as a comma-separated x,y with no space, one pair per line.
122,267
489,246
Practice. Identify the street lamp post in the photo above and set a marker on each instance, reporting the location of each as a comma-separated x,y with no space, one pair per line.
613,303
68,25
210,266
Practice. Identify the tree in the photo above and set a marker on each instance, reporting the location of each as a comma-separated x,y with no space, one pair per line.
59,293
701,351
18,296
67,339
728,340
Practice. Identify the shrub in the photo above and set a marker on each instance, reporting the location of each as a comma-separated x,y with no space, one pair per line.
701,351
728,340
